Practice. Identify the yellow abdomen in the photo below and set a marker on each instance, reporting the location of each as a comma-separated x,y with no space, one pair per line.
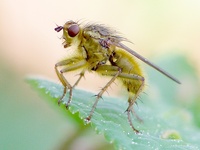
129,65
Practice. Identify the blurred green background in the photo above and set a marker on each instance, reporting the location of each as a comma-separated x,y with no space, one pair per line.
29,45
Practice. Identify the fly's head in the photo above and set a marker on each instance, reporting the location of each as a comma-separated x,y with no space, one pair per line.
71,33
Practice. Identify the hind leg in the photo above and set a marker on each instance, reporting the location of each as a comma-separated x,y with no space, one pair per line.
132,99
115,71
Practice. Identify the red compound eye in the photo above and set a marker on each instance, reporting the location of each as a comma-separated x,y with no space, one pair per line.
73,30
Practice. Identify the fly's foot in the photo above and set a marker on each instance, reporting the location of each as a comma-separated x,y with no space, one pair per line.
70,98
63,95
87,119
67,104
138,118
59,101
136,131
130,122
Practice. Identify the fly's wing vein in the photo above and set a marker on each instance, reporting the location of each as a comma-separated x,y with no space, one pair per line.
107,34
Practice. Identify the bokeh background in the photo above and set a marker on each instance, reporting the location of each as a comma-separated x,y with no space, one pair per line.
30,46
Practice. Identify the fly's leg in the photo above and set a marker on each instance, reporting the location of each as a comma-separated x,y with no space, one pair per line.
134,113
130,122
114,71
80,77
104,69
61,78
132,100
67,86
68,65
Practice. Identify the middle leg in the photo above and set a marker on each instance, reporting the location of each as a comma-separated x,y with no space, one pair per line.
105,70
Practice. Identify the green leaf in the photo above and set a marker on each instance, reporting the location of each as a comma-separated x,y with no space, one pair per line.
165,124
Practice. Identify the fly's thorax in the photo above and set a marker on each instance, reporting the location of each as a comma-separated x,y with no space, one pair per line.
95,52
95,55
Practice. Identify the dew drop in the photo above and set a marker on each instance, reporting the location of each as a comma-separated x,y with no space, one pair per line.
134,142
41,86
56,95
148,143
158,125
111,141
46,92
64,102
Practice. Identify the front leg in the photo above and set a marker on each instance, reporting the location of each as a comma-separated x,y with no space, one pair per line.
68,65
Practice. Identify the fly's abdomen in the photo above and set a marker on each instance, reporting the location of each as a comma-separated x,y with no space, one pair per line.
132,75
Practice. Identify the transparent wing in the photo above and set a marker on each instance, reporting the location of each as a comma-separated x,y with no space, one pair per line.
108,36
120,45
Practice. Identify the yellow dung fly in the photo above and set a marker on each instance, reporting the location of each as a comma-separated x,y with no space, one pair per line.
99,49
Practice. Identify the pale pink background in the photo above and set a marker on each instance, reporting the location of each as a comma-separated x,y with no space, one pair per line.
29,44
